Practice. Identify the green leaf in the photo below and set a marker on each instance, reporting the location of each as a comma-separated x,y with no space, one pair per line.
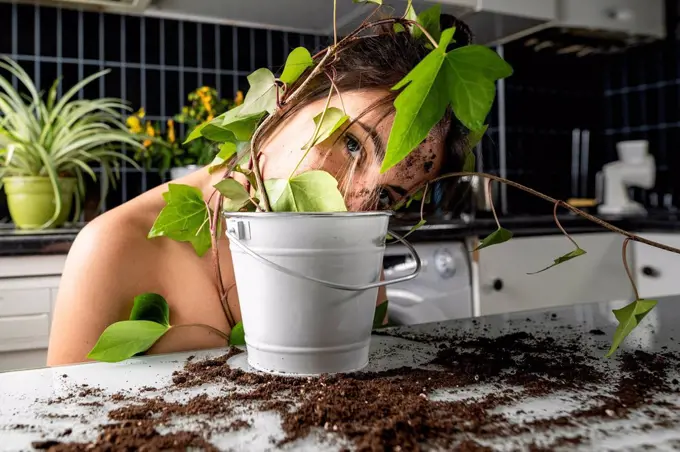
227,150
297,62
500,235
380,313
332,120
419,107
629,317
471,72
232,125
475,136
237,335
311,191
122,340
185,218
261,96
470,163
236,194
417,226
429,19
409,14
151,307
569,256
377,2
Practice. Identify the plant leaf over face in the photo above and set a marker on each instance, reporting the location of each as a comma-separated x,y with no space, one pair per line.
500,235
463,78
184,218
311,191
471,73
629,317
567,257
297,62
123,340
333,118
151,307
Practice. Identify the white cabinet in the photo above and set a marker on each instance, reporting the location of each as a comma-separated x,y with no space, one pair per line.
28,287
657,272
504,285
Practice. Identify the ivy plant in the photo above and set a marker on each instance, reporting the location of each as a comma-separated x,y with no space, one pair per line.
462,80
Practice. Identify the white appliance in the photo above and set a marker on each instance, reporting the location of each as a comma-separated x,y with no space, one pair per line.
635,168
442,290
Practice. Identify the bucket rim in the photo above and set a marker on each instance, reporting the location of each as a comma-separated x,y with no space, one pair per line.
272,215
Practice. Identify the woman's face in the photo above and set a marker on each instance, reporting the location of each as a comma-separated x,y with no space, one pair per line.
353,154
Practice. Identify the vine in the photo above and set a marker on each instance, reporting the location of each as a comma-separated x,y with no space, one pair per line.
461,81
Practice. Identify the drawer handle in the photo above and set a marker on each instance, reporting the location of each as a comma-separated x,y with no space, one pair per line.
498,285
650,271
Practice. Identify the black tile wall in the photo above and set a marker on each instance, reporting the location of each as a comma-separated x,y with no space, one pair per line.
154,62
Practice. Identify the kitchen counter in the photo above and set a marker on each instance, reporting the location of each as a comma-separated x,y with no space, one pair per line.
38,405
15,242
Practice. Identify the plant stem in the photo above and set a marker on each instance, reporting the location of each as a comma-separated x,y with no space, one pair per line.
335,22
624,254
551,200
557,222
214,226
337,91
316,132
489,199
212,329
422,202
257,172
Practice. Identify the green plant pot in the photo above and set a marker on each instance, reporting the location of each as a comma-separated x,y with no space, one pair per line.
31,200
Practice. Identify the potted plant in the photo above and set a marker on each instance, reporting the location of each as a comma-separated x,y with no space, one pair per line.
304,266
47,146
165,151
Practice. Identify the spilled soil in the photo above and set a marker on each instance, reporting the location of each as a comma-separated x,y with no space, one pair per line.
401,409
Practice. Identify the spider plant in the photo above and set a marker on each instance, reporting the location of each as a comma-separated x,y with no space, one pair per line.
54,139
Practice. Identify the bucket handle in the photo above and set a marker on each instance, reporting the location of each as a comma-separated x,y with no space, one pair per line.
246,249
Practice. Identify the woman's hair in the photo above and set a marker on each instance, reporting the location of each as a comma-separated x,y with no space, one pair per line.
380,59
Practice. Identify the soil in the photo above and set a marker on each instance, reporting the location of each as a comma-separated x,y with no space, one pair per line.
400,409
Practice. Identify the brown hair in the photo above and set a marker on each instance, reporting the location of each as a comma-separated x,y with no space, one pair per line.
379,60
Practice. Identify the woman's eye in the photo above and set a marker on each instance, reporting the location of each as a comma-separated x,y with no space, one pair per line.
385,199
353,146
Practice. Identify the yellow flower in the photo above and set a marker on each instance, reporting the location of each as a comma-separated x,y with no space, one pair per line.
134,124
210,117
140,113
171,131
150,132
238,100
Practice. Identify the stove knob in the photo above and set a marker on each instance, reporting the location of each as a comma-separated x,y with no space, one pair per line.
444,263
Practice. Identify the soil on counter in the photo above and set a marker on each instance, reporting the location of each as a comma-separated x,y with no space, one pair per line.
401,409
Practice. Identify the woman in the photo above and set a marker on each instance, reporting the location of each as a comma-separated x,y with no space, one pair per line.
112,261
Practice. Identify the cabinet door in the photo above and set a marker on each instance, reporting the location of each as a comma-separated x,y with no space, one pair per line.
657,271
505,286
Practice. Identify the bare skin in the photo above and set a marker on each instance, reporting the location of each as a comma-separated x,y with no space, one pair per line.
112,261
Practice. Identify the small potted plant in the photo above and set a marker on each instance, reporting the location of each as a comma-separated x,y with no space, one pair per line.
307,270
47,147
165,151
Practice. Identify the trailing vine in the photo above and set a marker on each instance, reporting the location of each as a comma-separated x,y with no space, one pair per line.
461,81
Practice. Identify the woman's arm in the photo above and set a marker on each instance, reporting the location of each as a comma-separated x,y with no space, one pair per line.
96,289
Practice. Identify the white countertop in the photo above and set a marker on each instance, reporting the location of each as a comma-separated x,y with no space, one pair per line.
25,395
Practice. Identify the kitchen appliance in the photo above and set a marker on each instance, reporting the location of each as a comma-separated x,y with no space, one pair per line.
442,290
635,168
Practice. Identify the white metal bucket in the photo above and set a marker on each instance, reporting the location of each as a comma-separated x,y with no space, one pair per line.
308,286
